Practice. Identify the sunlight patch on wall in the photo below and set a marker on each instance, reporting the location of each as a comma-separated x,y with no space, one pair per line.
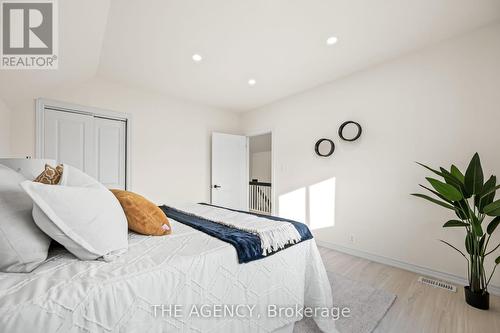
292,205
322,204
314,204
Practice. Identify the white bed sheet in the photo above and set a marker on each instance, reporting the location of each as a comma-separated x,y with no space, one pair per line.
186,268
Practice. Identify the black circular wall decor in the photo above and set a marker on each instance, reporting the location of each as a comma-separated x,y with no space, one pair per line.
355,137
327,141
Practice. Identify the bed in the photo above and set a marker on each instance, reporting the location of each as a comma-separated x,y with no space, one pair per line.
137,292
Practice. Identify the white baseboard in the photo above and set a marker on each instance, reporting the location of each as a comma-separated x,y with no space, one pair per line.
495,290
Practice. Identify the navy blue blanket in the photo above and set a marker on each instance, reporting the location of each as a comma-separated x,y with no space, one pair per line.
247,245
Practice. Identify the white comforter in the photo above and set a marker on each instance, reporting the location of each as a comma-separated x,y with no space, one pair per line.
186,268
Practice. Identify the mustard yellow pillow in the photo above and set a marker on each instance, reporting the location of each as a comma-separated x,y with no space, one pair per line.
143,216
51,175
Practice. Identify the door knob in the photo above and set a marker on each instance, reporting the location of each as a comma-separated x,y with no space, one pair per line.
217,186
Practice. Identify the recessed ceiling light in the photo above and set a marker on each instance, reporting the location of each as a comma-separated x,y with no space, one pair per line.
332,40
252,82
197,58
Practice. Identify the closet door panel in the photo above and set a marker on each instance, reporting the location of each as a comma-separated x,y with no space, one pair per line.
68,138
110,140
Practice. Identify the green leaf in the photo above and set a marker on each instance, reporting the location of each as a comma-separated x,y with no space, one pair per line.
457,174
474,218
460,214
482,200
431,169
450,179
476,228
481,244
497,260
461,209
455,223
453,247
446,190
493,225
490,191
474,176
437,202
435,193
493,209
468,242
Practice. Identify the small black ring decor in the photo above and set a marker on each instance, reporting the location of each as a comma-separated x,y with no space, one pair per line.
330,152
341,129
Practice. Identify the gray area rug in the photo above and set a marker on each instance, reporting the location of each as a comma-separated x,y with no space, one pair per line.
368,306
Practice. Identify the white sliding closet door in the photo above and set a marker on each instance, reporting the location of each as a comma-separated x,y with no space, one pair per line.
110,152
69,138
89,142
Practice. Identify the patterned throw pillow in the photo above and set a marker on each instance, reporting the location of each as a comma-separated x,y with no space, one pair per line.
50,176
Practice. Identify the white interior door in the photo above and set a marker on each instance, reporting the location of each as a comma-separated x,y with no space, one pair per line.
69,138
229,171
110,152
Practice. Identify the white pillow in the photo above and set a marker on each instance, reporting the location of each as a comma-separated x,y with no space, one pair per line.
75,177
23,246
87,220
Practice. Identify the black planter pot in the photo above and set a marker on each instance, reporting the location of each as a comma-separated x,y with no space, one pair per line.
479,301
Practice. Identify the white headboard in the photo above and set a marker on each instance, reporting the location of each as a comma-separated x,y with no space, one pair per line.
28,167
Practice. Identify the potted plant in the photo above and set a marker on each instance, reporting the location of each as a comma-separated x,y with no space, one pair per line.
473,201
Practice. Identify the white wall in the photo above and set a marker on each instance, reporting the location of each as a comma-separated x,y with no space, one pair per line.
170,139
438,106
4,129
260,166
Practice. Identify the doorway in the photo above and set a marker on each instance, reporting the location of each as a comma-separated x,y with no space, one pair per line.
260,190
242,172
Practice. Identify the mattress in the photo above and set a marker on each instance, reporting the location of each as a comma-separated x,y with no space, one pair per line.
175,283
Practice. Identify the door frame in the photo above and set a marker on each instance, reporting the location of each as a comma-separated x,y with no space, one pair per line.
43,103
274,208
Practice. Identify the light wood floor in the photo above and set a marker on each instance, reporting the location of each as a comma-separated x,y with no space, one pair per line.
418,308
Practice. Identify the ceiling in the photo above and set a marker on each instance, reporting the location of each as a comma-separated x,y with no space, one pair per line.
79,52
280,43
